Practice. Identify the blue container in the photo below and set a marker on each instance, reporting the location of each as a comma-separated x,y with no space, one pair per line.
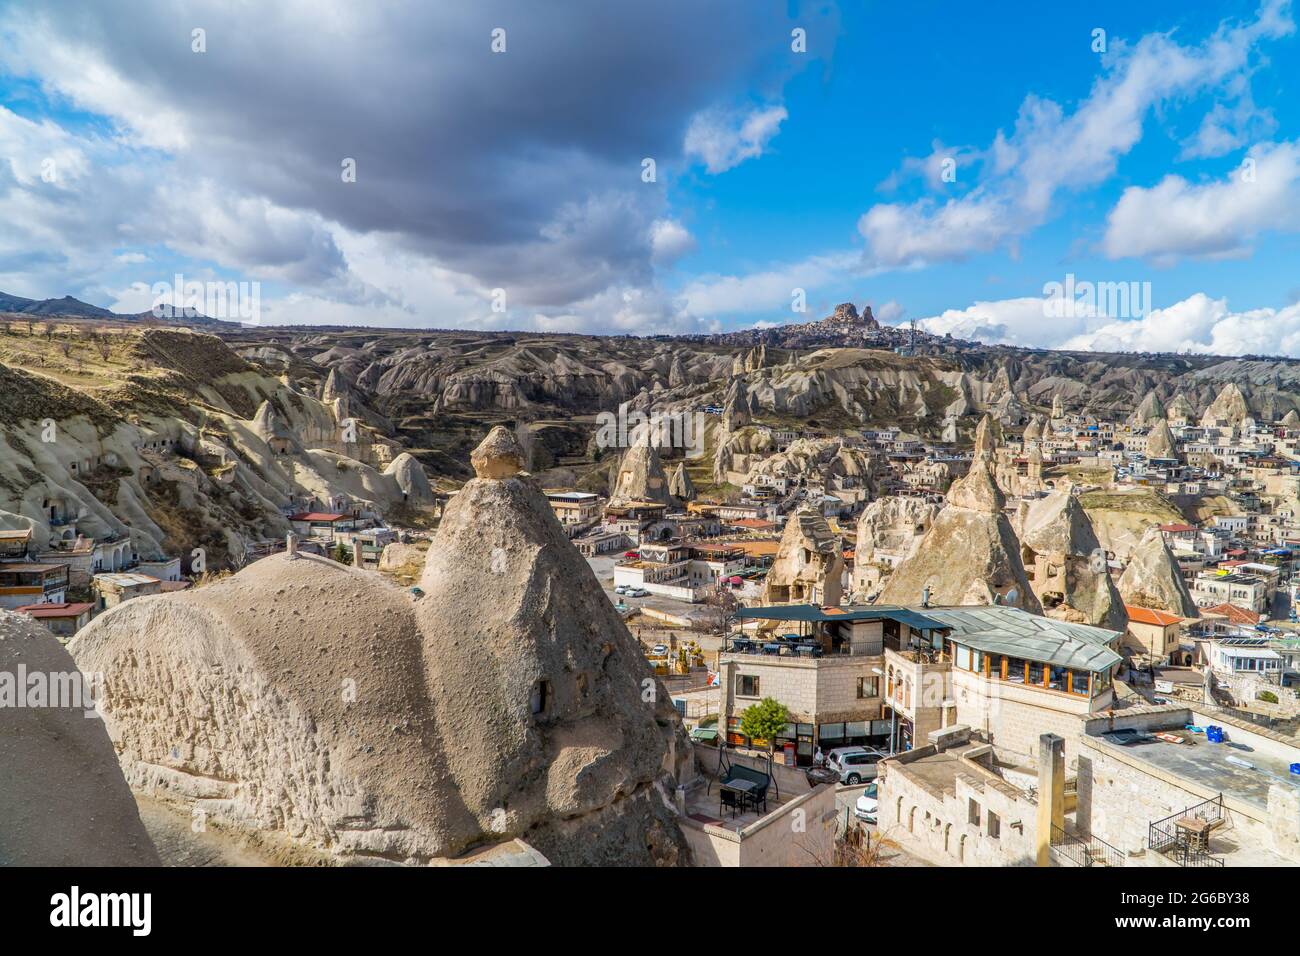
1214,734
1295,769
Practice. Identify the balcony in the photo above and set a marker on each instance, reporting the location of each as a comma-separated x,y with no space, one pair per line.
1184,837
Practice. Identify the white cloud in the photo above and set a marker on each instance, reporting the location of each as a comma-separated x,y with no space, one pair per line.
770,290
1177,218
1197,324
1021,321
1200,324
669,241
1051,150
725,139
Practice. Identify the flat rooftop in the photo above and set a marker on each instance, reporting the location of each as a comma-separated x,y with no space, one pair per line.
1213,766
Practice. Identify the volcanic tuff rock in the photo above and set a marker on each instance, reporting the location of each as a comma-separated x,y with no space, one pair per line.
1152,578
187,445
970,555
1149,408
1291,419
809,563
641,475
1065,564
1229,407
1180,411
988,436
305,696
680,485
1160,441
63,800
888,528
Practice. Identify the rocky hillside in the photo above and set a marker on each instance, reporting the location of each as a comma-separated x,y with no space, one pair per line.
168,439
441,391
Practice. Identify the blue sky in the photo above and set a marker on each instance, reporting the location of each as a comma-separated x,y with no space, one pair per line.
503,189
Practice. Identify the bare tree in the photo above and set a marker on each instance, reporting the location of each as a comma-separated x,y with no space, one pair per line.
720,606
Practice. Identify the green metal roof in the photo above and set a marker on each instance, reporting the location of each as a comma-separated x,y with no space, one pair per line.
1017,633
993,630
812,613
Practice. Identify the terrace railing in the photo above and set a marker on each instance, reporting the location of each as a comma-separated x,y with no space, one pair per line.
1165,837
1073,849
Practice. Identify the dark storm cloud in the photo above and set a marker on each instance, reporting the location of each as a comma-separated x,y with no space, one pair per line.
521,169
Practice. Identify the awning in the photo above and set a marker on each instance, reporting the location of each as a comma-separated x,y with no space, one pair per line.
704,733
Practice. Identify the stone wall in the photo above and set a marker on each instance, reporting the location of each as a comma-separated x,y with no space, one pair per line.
1012,717
815,690
952,828
1120,795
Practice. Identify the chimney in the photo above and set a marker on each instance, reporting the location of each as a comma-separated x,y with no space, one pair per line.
1051,793
291,545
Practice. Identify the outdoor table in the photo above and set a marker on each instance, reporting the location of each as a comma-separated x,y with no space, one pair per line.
1197,830
742,787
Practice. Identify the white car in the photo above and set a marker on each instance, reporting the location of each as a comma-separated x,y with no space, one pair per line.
855,764
659,650
621,589
865,809
637,592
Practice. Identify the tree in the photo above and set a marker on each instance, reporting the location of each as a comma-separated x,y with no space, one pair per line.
341,554
720,607
765,721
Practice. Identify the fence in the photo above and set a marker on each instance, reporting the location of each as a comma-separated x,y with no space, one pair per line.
1176,843
1073,849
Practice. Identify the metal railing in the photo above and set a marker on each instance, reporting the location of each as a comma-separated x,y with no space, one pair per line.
1164,836
1073,849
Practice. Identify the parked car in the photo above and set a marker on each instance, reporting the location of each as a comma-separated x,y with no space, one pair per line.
637,592
621,589
855,764
865,810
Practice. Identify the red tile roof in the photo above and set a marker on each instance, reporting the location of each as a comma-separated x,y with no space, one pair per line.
1146,615
1237,615
1177,528
55,610
317,516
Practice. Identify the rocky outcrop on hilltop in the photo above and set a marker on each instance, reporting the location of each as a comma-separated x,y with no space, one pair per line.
809,563
63,799
1228,408
1180,411
970,555
1152,578
410,478
1160,441
680,485
1066,565
1149,409
1291,419
889,531
641,476
189,447
316,701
